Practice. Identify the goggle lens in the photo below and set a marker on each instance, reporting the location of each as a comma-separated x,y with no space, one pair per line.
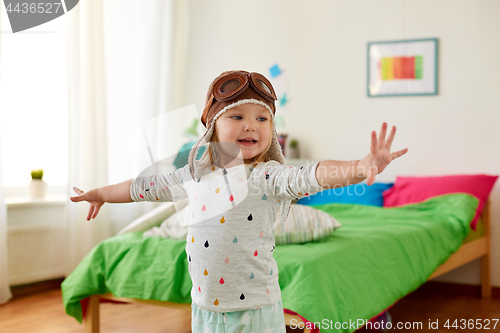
262,86
230,86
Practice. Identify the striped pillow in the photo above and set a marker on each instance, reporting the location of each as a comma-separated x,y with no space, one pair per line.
304,224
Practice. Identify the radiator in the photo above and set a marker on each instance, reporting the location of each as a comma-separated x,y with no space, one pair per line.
36,253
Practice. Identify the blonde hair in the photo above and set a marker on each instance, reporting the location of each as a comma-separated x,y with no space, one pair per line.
208,156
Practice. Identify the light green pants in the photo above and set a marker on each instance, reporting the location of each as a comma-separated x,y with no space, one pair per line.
266,320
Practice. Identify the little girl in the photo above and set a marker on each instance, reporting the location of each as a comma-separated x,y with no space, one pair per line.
230,242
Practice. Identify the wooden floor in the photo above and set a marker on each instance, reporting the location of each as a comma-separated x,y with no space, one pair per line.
424,306
44,313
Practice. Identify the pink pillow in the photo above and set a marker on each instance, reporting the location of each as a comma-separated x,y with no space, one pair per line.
408,190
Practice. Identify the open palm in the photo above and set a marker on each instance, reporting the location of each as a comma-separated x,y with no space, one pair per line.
91,197
380,155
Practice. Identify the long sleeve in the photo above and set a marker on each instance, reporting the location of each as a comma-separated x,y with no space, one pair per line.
289,183
159,188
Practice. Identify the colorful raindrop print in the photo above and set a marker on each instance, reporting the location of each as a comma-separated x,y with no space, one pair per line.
217,190
192,239
252,276
205,272
152,183
189,258
225,171
271,272
250,217
261,233
255,254
221,281
199,289
222,220
226,260
242,297
216,302
268,293
264,197
231,198
204,208
141,196
206,244
235,240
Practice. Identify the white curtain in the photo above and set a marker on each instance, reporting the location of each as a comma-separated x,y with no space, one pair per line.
121,73
5,293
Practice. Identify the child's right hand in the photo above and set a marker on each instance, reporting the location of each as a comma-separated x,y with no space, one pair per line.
92,197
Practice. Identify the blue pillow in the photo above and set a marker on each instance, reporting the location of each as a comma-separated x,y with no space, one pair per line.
360,194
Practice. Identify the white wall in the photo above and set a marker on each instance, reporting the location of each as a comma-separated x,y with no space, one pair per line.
322,46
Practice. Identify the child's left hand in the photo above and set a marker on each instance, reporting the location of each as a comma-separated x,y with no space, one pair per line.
380,155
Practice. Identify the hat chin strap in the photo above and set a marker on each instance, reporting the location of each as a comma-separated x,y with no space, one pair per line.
274,151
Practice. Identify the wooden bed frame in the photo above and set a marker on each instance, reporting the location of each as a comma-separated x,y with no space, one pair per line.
479,248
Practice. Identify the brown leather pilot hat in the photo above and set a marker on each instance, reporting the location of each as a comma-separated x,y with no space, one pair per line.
246,87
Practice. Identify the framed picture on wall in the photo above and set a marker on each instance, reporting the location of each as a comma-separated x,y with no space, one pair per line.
402,68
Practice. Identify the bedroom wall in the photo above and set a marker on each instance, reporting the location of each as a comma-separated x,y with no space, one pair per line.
322,47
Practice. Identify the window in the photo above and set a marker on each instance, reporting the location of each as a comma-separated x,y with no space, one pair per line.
33,103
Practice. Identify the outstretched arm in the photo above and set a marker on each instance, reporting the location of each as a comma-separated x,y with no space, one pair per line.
333,174
118,193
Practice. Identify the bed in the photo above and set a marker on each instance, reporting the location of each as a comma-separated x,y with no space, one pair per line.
419,230
377,257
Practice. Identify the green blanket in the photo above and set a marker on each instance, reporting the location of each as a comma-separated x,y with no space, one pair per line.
378,256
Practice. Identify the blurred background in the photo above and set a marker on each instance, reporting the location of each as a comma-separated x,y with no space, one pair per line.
75,91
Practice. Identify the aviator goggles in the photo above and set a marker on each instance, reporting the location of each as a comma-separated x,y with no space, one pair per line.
234,84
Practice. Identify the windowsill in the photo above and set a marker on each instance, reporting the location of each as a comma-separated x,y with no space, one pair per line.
19,197
24,202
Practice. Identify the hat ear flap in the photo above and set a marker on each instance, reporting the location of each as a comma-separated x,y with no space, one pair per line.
205,111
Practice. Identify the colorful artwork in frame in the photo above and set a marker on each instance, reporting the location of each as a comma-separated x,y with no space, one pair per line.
403,68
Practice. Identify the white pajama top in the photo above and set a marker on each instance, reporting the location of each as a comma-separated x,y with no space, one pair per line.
230,241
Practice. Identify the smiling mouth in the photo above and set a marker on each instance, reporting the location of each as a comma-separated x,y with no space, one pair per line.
247,142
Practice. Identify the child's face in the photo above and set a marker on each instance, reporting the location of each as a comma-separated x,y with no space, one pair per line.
246,121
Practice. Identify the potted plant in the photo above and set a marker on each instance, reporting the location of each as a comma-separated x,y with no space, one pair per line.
294,149
37,185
